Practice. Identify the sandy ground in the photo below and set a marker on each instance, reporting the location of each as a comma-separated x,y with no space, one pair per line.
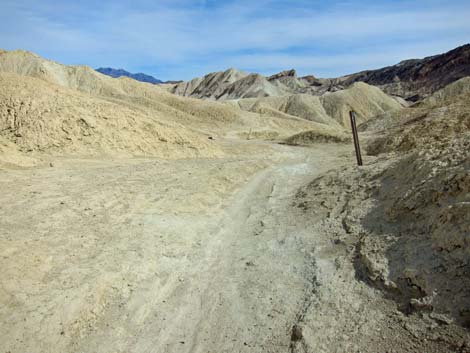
208,255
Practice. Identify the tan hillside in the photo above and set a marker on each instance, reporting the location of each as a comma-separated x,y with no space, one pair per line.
449,92
12,157
450,97
81,78
39,116
229,84
308,107
331,109
210,86
251,86
425,125
126,90
300,105
367,101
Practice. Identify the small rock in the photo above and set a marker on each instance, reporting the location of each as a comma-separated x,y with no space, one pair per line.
422,304
297,333
51,164
411,329
441,319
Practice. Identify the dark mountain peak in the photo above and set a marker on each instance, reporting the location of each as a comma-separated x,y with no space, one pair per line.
282,74
108,71
417,78
174,82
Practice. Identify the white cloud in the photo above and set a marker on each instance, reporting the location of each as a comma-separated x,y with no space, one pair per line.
181,38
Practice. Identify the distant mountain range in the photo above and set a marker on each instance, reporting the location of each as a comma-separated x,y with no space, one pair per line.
410,79
120,72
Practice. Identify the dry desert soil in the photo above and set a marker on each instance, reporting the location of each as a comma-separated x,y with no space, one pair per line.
207,255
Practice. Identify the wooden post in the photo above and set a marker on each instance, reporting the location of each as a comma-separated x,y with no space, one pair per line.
352,116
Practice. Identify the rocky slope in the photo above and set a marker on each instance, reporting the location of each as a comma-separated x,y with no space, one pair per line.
228,84
406,214
234,84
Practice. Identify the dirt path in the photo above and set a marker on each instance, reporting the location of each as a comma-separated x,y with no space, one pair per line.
183,256
249,291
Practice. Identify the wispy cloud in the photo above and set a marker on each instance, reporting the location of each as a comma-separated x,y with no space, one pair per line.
182,38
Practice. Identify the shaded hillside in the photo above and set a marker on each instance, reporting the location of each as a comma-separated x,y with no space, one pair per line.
424,197
417,78
116,73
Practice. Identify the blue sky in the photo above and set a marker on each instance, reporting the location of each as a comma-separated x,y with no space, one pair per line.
181,39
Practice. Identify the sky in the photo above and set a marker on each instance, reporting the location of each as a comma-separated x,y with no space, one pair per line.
182,39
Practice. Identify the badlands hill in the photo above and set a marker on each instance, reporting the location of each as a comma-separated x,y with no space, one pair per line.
211,85
437,122
49,107
37,115
332,108
409,79
274,96
234,84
